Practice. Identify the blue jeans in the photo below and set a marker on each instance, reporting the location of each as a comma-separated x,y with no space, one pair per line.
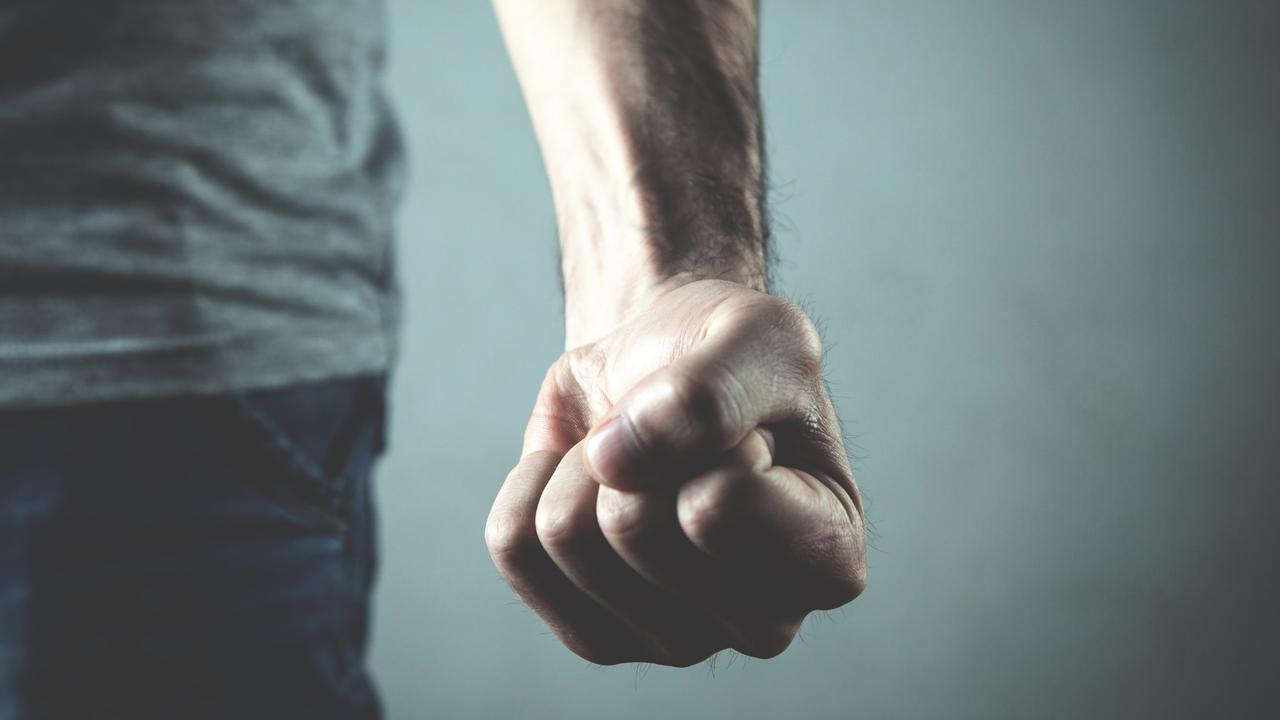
204,557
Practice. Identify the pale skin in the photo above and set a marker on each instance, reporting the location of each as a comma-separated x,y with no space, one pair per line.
683,486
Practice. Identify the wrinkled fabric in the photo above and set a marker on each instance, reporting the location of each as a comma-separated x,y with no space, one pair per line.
196,196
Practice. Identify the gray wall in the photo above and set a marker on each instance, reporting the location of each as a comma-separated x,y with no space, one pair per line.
1041,238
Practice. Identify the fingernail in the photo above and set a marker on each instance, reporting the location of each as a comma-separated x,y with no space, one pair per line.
611,451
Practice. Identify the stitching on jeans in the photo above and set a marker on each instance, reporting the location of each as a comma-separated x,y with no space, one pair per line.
280,440
333,487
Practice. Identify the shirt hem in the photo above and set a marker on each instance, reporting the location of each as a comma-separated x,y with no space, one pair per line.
251,362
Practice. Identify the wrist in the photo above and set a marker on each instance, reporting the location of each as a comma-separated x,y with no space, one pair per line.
629,234
594,308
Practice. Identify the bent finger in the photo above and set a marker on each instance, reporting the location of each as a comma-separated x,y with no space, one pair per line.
780,533
584,626
675,632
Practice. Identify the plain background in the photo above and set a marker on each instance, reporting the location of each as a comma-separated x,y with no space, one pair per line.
1041,238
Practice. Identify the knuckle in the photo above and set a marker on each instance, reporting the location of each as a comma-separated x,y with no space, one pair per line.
855,582
683,657
844,584
802,336
708,402
688,642
620,514
598,654
704,505
565,378
561,526
586,363
554,379
697,512
836,564
508,537
769,640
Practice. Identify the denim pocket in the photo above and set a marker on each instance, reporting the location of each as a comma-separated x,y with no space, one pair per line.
317,440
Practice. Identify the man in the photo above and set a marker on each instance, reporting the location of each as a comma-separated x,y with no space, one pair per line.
197,318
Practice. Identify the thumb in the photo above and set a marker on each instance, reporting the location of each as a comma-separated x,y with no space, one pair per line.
757,363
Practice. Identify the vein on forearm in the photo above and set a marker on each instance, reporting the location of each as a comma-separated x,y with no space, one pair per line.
648,117
691,116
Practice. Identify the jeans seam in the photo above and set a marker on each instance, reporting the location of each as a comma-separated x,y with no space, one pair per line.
331,486
295,458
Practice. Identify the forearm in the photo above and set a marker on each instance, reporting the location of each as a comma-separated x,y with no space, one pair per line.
648,117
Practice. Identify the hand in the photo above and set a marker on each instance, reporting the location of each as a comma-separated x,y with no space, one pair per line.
683,486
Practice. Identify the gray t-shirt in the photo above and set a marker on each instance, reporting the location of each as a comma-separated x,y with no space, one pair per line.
195,196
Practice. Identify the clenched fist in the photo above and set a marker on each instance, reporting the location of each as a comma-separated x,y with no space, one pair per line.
683,486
